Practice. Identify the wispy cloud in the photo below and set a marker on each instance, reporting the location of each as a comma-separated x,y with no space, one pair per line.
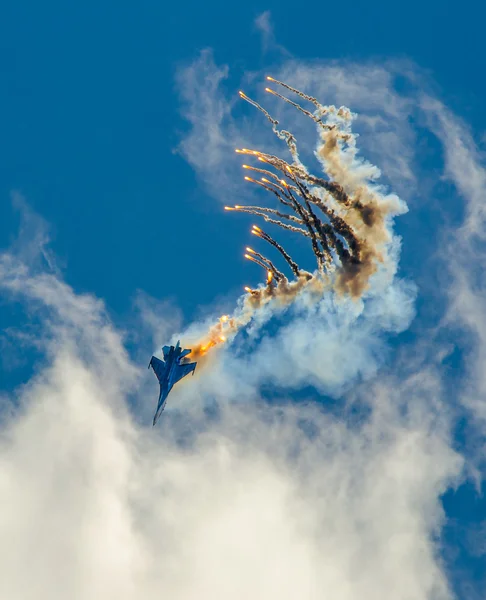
205,108
397,115
263,24
255,503
215,132
465,248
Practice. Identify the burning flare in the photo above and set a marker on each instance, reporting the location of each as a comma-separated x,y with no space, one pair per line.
343,214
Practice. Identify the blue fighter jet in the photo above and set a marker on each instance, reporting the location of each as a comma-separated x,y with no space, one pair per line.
170,372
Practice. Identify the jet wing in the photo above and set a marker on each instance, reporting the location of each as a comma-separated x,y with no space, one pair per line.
183,370
158,366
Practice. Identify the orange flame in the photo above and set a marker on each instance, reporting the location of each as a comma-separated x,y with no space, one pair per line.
215,336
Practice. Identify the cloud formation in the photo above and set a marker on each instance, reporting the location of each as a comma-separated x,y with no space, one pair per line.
253,499
395,106
257,503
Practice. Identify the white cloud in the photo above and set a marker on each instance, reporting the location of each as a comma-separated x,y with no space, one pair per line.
263,24
397,116
385,121
259,502
383,116
464,250
208,142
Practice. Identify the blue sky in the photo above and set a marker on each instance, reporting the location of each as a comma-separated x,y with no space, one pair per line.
118,123
91,119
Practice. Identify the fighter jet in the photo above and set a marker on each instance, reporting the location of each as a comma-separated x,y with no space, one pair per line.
170,372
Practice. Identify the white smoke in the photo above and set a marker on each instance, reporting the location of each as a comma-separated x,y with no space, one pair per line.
251,501
255,503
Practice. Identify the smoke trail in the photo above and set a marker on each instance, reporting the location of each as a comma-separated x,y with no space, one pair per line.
352,241
278,275
304,218
335,242
363,224
265,217
292,264
296,174
267,185
321,109
262,210
299,107
307,217
271,272
338,223
258,262
331,187
324,256
282,134
283,293
268,219
263,171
